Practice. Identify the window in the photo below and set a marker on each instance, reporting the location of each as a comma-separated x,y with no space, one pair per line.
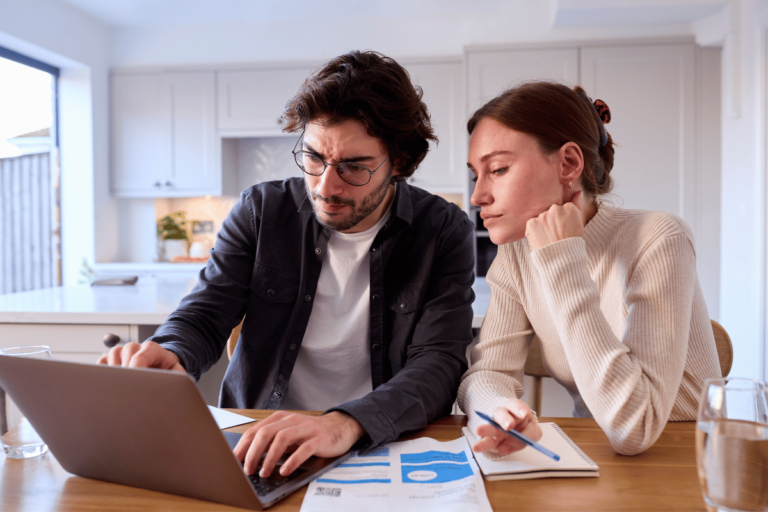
30,251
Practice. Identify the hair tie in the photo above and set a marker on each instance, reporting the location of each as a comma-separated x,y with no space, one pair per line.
603,111
603,114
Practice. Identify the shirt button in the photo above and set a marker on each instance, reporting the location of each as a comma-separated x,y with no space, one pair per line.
375,297
318,251
270,293
402,305
277,394
376,346
373,249
292,346
308,298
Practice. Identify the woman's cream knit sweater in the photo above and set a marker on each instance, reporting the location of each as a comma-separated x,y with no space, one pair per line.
621,319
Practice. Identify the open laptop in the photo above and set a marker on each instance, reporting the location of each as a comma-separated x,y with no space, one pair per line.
143,428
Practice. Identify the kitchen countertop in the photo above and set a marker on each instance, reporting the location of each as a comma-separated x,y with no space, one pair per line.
148,302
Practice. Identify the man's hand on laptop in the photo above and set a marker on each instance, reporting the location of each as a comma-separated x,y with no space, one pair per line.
329,435
145,355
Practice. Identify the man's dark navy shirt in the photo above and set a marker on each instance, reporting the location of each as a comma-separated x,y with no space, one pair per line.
265,266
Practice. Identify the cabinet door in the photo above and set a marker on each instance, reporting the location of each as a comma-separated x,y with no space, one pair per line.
164,135
491,72
141,134
444,168
651,93
254,100
193,139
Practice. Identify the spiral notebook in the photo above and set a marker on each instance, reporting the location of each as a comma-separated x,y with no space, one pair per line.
528,463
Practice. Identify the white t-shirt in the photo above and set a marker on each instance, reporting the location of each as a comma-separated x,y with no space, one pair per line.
334,361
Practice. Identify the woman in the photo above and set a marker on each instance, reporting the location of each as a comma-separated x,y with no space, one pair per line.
611,294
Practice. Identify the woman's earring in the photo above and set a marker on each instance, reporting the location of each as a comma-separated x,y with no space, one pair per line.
570,184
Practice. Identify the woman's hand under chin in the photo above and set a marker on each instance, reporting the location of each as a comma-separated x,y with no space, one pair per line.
557,223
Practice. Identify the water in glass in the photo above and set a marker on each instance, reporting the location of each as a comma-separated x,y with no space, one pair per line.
732,445
733,464
17,436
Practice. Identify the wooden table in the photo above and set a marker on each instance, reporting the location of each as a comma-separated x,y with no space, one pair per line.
662,478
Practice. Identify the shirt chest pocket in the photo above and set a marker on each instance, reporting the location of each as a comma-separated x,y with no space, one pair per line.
406,297
273,287
272,299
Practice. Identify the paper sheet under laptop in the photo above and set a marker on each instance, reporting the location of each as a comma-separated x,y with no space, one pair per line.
225,419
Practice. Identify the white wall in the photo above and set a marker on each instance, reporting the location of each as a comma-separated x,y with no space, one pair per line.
743,227
59,35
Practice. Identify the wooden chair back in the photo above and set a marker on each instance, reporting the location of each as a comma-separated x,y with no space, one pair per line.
724,348
232,341
535,368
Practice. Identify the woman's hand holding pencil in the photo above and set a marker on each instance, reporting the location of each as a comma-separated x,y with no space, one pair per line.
514,415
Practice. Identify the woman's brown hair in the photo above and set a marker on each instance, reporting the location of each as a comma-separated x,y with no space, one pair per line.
374,90
554,114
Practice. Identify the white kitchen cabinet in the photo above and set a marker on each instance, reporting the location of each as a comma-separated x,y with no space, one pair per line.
76,343
164,141
651,93
141,132
252,101
444,168
491,72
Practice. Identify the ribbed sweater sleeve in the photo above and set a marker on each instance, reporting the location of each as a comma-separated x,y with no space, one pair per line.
497,361
629,384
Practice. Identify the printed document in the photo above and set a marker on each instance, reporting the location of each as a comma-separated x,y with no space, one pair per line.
225,419
403,476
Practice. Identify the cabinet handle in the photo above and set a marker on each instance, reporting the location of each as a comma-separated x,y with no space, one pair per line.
280,121
111,340
158,184
168,184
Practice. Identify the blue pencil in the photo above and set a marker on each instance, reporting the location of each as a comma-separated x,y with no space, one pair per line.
520,437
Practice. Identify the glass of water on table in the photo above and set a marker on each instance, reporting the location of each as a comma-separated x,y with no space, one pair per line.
17,436
732,444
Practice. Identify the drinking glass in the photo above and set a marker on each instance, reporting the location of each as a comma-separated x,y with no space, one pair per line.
19,439
732,444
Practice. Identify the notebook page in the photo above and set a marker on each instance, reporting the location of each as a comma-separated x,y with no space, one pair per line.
528,459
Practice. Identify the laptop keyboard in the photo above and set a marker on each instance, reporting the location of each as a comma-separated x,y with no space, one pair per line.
275,480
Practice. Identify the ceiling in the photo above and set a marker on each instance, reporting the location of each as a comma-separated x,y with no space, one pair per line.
159,13
148,13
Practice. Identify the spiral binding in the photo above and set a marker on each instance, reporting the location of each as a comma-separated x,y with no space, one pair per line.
573,445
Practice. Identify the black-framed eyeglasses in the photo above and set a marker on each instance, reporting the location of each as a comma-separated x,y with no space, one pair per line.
351,172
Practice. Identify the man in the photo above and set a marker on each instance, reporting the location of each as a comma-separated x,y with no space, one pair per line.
355,287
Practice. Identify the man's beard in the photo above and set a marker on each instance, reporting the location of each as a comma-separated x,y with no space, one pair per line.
358,212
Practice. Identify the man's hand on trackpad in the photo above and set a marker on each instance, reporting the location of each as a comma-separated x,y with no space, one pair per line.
330,435
146,355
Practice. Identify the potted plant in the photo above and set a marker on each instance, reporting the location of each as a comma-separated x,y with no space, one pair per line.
174,236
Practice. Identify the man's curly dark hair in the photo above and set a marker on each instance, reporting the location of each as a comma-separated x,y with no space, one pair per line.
375,90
